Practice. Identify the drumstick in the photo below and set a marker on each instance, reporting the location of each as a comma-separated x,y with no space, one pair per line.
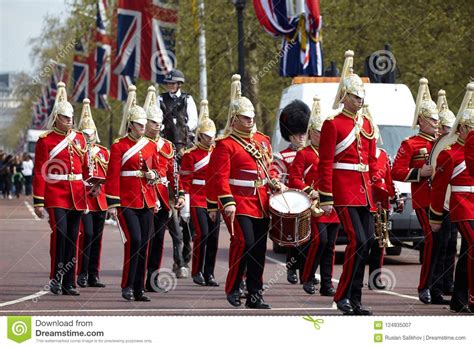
288,206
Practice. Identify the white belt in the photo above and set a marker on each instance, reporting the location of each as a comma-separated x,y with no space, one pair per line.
68,177
462,189
350,166
199,182
248,183
137,173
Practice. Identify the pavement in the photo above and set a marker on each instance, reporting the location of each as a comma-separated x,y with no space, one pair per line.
25,263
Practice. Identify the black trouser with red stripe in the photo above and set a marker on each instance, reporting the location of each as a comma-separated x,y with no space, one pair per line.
90,243
247,251
375,260
444,269
294,258
157,238
136,224
431,252
464,276
320,251
358,223
206,240
65,228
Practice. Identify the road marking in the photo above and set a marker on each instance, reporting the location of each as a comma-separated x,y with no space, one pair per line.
388,292
169,310
23,299
32,211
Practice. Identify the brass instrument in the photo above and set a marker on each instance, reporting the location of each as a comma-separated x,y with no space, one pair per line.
316,210
381,227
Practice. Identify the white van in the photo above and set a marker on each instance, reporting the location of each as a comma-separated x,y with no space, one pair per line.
392,107
32,136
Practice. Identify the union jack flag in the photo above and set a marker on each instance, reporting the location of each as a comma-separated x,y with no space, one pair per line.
145,39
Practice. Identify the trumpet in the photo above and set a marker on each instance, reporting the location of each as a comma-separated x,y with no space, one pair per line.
381,227
316,210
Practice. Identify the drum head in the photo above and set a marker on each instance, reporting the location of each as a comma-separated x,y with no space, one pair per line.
291,201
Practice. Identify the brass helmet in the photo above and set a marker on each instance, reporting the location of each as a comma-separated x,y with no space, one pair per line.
465,114
132,112
425,107
153,110
238,105
86,123
349,83
315,121
446,116
61,105
205,124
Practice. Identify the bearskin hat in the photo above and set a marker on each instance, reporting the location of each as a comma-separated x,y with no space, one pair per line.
294,119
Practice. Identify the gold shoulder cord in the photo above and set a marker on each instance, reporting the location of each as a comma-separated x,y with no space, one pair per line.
372,130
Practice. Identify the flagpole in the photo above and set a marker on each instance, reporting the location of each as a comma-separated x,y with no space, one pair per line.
111,119
202,53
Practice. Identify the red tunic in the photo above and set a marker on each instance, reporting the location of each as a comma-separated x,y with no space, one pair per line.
407,165
194,166
469,153
54,169
165,157
451,169
230,162
303,175
132,191
384,189
342,187
282,162
100,158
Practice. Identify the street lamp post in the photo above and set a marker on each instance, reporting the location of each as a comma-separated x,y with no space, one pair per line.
239,7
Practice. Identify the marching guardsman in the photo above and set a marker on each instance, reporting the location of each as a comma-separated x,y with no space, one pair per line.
383,192
469,153
167,179
58,188
95,164
445,265
194,168
303,175
451,170
131,196
238,185
410,165
293,127
347,164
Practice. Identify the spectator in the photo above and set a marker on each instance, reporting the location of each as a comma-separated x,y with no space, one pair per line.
6,174
27,172
17,176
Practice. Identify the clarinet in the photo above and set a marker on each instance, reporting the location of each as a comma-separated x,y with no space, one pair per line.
175,177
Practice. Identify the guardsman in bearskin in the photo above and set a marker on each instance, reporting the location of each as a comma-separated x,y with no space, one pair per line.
303,175
165,183
293,126
451,170
194,167
95,164
58,188
238,185
444,269
346,168
383,193
410,165
130,193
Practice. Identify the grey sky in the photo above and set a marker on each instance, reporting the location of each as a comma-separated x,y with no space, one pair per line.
21,20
